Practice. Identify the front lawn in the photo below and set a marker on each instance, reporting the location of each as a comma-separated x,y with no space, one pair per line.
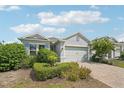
118,63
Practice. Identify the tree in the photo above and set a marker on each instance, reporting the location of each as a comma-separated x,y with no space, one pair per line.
102,47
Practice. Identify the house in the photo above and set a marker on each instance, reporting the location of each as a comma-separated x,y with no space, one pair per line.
72,48
119,47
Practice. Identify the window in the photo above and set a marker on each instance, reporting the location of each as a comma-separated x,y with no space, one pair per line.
32,49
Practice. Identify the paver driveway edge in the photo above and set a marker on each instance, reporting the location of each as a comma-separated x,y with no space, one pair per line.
111,75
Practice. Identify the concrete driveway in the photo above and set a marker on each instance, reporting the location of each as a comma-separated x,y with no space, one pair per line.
110,75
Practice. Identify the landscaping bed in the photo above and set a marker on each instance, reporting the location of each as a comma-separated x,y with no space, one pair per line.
23,79
68,70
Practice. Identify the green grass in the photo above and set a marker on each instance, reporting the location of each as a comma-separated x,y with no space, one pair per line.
118,63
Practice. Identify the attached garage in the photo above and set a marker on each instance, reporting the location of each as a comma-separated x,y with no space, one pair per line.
78,54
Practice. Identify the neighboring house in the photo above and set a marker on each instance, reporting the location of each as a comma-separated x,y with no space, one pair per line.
72,48
118,48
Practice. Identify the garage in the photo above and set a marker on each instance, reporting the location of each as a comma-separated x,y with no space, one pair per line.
78,54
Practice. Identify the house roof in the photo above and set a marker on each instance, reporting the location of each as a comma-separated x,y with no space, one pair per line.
34,37
51,39
83,37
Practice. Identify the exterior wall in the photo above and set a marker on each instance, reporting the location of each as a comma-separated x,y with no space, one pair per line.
60,50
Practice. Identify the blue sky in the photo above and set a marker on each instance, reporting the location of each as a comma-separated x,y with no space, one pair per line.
61,21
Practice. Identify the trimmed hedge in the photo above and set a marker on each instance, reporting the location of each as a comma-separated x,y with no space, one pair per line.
70,71
11,56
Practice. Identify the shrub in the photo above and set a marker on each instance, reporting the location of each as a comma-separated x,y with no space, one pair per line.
110,62
94,58
48,56
84,72
72,76
44,71
28,62
11,56
64,68
104,61
69,71
122,55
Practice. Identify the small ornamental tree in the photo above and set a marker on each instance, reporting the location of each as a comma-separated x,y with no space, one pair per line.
102,47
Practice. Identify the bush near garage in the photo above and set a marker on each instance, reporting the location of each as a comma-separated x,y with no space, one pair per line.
70,71
122,55
11,56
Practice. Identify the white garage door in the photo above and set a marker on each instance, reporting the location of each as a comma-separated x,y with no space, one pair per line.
77,54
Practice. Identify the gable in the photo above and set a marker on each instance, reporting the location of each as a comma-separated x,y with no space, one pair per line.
76,40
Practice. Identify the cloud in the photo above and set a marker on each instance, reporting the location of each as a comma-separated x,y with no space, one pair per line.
36,28
9,8
94,7
120,18
72,17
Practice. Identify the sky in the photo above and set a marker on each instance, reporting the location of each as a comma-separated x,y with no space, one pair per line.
61,21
